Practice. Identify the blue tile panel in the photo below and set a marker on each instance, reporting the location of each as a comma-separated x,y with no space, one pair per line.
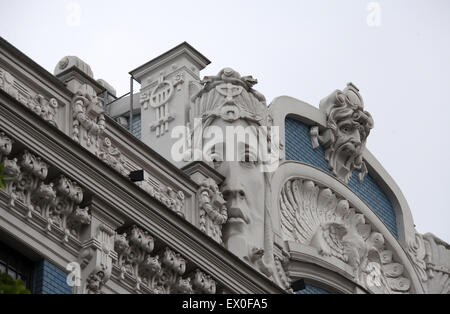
310,289
299,147
136,126
49,279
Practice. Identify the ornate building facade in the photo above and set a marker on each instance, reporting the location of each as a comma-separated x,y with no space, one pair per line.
139,194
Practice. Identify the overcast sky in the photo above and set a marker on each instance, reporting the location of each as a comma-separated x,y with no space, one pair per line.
396,52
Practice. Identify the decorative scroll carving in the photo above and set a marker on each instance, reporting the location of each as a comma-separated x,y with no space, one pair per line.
431,259
111,156
166,195
160,272
56,201
344,138
315,216
212,209
40,105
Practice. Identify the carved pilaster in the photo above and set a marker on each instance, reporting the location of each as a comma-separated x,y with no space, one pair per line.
96,259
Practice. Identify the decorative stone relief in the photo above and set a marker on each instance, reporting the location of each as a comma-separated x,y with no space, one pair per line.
431,259
158,272
40,105
165,195
158,99
88,118
346,132
212,209
315,216
96,259
64,211
5,145
111,156
56,201
89,126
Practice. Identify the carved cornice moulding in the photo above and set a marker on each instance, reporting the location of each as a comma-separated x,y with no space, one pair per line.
290,170
288,107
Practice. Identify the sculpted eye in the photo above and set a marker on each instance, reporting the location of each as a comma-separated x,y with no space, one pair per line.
249,159
216,160
346,128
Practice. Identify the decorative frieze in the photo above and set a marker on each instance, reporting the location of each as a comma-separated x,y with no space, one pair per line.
46,108
157,272
315,216
212,209
346,132
165,195
57,202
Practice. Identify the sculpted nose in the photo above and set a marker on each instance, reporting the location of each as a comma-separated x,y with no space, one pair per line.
356,138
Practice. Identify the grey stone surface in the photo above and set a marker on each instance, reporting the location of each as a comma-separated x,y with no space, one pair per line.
240,230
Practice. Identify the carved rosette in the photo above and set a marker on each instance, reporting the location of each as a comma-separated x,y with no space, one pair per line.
315,216
212,209
431,259
57,201
46,108
161,272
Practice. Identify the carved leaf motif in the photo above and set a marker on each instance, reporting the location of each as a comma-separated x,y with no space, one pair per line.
316,216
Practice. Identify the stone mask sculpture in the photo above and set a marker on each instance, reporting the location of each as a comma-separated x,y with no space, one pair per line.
346,132
229,101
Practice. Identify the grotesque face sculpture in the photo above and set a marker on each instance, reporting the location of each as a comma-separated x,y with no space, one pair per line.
229,106
344,139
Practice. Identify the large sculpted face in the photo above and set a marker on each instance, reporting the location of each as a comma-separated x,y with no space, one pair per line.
228,105
243,190
348,126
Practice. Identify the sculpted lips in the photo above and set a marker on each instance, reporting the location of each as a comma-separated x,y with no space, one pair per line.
235,215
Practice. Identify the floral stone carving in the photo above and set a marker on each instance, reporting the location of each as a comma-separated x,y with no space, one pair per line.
161,272
212,209
315,216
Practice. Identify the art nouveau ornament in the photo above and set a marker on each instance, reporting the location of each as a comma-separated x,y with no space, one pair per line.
346,132
431,259
226,101
317,217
